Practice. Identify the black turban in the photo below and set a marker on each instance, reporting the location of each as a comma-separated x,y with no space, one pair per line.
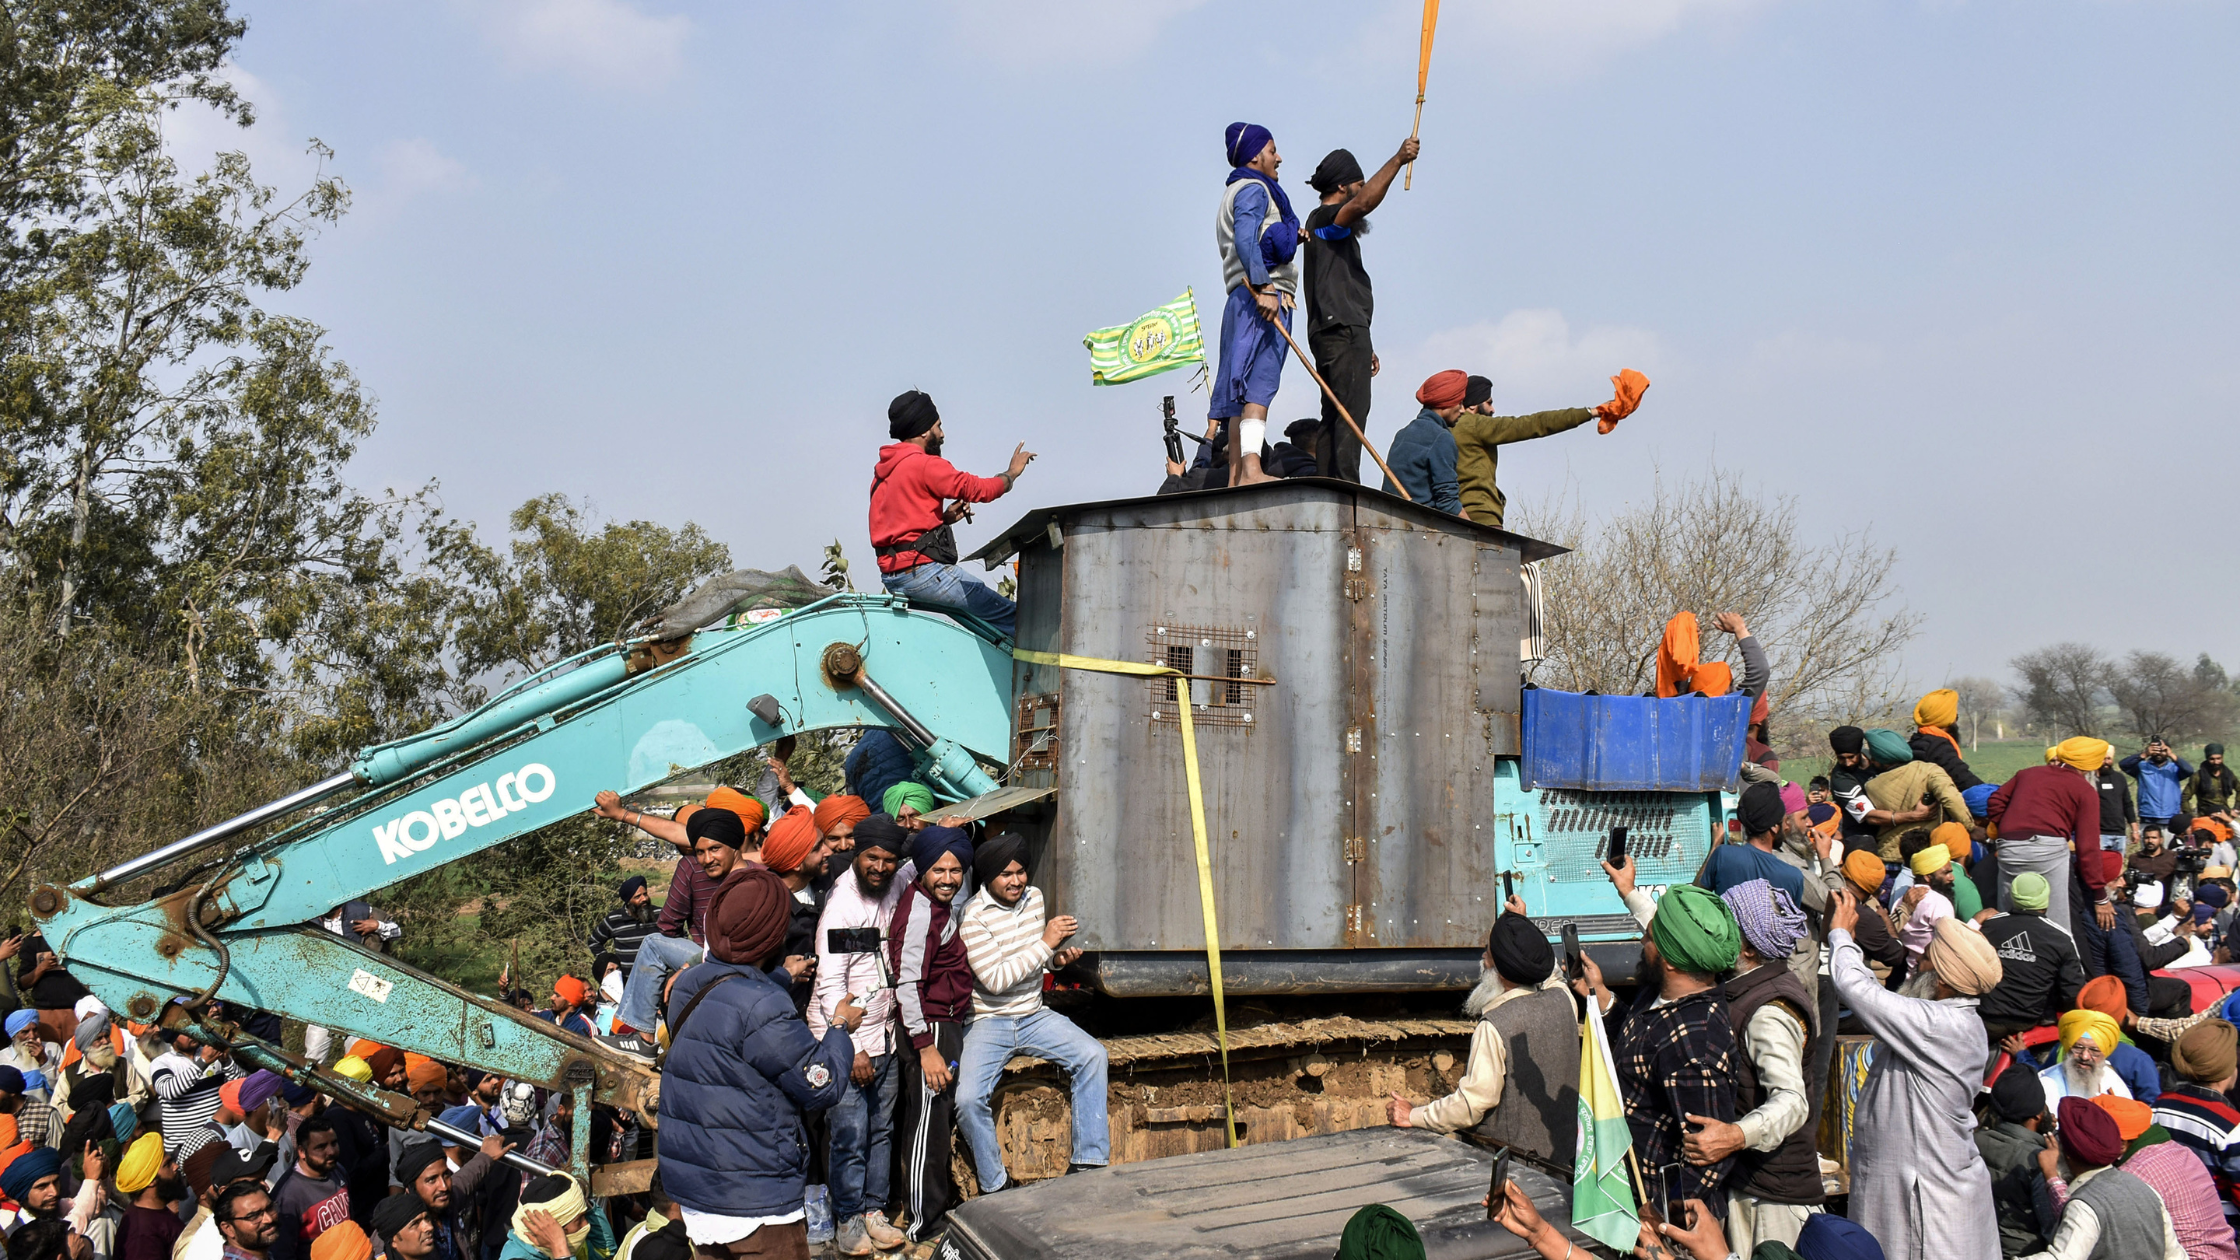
1760,808
1476,390
1520,953
1336,171
879,832
2018,1095
414,1160
911,414
719,825
990,859
1847,739
393,1214
633,885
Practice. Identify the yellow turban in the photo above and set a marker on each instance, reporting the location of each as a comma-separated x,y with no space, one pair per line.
2081,751
142,1161
1931,860
355,1068
1939,708
2076,1025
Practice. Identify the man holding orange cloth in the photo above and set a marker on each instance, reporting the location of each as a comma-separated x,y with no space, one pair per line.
1479,436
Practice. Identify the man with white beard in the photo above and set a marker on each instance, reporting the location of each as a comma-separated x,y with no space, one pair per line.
1520,1090
2087,1038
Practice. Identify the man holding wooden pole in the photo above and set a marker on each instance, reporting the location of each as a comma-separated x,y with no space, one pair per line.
1339,302
1259,239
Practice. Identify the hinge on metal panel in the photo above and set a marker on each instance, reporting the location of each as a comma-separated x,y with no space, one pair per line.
1353,919
1357,849
1353,559
1357,588
1353,739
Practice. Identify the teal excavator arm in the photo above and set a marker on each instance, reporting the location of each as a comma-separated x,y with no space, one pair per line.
625,717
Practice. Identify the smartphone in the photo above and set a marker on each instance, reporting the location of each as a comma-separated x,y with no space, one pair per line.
1617,846
1574,958
863,940
1498,1193
1508,887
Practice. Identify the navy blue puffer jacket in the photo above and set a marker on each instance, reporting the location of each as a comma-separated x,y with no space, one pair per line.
733,1089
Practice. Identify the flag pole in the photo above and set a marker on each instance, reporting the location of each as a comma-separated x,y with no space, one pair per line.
1423,76
1343,414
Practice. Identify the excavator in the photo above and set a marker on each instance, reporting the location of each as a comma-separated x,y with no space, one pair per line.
1377,776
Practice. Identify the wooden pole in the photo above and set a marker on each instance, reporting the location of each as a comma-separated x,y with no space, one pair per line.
1423,76
1409,182
1343,414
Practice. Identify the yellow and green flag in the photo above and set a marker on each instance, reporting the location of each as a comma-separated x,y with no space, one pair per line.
1164,339
1602,1204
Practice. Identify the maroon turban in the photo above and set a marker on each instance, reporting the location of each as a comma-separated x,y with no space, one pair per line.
1444,389
747,918
2090,1136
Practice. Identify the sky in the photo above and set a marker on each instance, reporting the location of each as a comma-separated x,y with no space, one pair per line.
1955,273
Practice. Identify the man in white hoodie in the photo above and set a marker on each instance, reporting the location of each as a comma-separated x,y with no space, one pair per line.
862,1122
1010,946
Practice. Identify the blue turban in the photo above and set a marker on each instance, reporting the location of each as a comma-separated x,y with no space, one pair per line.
930,843
125,1121
1827,1236
12,1082
465,1116
19,1020
631,887
2214,894
297,1095
1979,799
27,1169
34,1082
1244,142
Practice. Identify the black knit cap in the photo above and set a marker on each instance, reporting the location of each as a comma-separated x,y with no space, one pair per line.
2018,1095
910,414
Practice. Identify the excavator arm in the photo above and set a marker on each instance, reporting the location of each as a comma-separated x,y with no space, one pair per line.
625,717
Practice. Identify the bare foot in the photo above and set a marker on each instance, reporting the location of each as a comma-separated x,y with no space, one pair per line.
1248,472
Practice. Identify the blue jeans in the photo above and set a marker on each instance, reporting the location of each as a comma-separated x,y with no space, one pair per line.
947,588
862,1129
989,1042
659,957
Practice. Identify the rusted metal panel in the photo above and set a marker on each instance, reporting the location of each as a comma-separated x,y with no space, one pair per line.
1334,823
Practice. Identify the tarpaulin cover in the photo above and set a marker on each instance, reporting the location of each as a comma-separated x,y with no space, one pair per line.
1632,743
741,590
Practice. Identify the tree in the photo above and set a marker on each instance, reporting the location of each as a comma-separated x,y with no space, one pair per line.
2160,697
2062,686
1980,699
1827,613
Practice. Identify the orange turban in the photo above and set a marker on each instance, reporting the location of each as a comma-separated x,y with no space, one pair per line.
422,1072
840,810
571,990
365,1048
1678,674
2105,995
1956,840
749,810
342,1242
1865,870
230,1094
791,838
1444,389
2132,1116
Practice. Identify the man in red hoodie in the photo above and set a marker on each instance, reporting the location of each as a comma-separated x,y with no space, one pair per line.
911,515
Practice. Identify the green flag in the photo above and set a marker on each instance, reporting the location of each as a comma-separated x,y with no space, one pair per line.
1601,1198
1160,341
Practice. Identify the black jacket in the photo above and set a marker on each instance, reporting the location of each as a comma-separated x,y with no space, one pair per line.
2011,1153
2152,957
1945,753
2117,810
2040,970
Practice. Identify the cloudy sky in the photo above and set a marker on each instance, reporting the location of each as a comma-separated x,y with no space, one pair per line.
1957,272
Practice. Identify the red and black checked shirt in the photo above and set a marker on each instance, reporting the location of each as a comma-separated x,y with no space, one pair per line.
1674,1060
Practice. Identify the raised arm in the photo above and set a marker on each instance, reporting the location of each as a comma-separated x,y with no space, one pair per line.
1372,192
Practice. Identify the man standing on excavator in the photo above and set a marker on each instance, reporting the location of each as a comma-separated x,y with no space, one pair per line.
911,516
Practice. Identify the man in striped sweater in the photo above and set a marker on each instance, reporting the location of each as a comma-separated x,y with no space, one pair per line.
933,991
187,1080
1010,947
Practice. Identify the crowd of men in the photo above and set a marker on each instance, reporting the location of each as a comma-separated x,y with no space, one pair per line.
2040,1083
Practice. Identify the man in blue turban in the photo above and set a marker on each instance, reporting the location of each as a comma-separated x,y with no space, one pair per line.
1259,240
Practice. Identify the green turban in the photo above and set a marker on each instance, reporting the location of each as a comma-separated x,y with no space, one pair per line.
1695,931
907,793
2030,891
1888,747
1376,1232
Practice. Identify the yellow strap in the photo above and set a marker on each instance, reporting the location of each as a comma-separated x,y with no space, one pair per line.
1066,660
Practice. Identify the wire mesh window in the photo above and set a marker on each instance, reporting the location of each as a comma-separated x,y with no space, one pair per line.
1210,654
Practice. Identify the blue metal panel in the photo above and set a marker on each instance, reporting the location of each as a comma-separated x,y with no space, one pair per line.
1550,843
1632,743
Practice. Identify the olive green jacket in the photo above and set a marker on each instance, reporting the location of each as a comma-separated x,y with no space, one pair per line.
1478,441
